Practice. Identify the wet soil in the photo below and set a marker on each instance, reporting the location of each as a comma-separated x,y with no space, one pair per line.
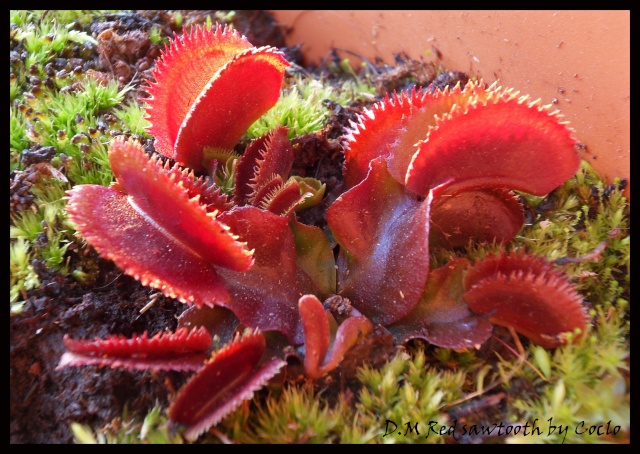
45,400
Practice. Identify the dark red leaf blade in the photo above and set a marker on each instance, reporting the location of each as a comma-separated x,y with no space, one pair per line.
504,143
183,350
483,215
160,197
383,233
120,233
267,295
442,317
230,377
528,294
266,157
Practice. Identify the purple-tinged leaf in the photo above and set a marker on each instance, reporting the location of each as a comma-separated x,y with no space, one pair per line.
267,295
483,215
383,233
230,377
442,317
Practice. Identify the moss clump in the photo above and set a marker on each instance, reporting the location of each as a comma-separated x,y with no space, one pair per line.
304,105
153,429
61,120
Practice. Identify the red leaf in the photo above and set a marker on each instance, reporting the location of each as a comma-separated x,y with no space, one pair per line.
211,196
504,143
229,378
442,317
160,198
266,296
383,234
268,189
118,232
209,90
316,334
318,359
349,332
527,294
283,199
182,72
182,350
482,215
372,137
156,233
392,127
237,96
266,157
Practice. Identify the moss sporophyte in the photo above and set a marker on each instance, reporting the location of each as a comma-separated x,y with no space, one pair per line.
428,241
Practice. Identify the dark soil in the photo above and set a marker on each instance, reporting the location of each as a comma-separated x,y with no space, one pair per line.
45,400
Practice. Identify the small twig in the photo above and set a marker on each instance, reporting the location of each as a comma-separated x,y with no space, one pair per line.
520,352
222,437
521,360
593,255
151,302
107,285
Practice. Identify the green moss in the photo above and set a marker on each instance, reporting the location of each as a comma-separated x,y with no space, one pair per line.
155,428
64,117
295,416
22,276
134,117
303,108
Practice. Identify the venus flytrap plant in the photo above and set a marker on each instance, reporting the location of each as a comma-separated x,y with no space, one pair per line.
445,163
247,253
426,169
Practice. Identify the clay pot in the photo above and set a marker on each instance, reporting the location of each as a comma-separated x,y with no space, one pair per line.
578,60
